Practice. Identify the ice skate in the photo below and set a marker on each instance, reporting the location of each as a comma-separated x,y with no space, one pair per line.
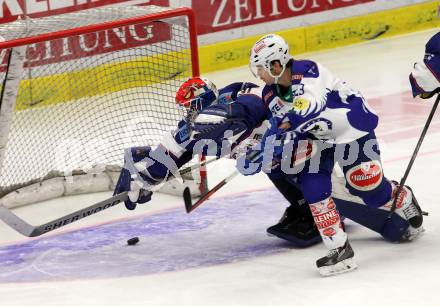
339,260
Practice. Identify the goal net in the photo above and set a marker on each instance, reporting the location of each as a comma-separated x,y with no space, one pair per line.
78,88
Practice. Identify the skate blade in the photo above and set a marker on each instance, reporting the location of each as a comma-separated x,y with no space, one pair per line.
339,268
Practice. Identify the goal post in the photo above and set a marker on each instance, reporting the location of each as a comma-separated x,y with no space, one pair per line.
78,88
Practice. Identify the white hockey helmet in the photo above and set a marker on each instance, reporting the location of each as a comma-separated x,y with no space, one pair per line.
267,49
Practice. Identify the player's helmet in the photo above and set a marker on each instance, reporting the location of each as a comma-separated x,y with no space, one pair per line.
196,94
267,49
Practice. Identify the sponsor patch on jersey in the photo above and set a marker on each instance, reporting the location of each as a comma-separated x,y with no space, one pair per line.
301,104
277,107
366,176
297,76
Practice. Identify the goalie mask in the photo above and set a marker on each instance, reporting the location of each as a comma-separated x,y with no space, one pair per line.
266,50
196,94
425,76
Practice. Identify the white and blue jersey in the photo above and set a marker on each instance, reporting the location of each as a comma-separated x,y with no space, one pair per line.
320,104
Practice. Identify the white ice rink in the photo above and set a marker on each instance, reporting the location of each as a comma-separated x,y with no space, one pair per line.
220,254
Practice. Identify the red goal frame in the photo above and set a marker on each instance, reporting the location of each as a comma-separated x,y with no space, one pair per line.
176,12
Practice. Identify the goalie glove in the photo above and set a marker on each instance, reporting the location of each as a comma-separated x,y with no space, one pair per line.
139,174
136,194
425,76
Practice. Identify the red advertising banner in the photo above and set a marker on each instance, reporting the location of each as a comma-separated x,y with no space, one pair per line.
69,48
97,43
218,15
11,9
72,47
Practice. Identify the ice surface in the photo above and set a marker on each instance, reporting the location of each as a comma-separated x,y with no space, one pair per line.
220,254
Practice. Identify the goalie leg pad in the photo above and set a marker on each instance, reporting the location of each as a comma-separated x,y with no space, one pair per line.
408,209
296,225
392,229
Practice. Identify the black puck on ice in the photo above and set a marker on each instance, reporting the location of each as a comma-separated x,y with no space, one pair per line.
133,241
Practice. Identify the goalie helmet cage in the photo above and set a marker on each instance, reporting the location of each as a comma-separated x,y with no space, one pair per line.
78,88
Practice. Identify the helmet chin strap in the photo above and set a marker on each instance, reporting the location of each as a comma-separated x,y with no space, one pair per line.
277,78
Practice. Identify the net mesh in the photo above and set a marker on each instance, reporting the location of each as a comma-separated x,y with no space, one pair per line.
84,98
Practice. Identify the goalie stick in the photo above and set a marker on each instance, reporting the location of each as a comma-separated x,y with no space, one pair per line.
29,230
189,206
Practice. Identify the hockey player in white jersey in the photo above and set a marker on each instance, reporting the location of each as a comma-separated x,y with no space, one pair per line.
308,101
239,109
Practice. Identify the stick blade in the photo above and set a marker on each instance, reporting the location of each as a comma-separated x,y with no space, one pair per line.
17,223
187,199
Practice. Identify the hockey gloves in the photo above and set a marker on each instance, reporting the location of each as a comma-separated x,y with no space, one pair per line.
135,178
425,76
268,154
136,194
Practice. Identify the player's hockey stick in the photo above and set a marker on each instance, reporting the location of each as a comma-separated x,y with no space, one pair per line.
29,230
414,155
189,206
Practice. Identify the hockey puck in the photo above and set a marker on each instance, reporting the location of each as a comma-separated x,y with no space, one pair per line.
133,241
